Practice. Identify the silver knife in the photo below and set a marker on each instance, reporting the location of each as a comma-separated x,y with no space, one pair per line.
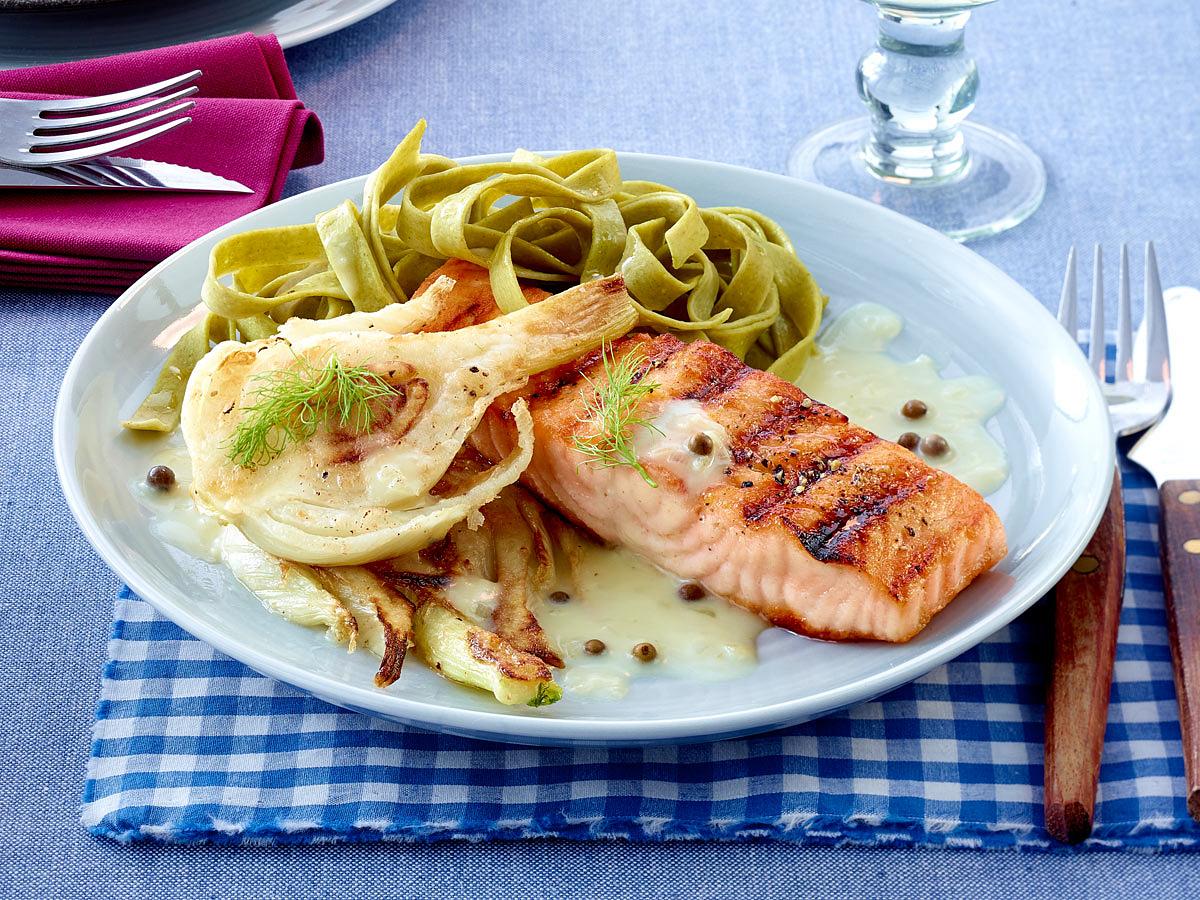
1170,451
120,173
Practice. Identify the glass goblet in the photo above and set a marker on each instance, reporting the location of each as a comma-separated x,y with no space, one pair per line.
915,153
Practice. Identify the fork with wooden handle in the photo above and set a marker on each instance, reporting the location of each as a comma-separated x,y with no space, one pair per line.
1087,600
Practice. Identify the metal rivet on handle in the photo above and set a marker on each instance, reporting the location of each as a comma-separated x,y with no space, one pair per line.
1086,565
1191,498
1192,546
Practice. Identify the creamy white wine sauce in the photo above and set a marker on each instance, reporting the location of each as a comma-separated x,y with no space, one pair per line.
852,372
668,442
174,518
474,597
623,600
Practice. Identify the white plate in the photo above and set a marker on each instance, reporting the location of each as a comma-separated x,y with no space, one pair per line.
958,307
59,35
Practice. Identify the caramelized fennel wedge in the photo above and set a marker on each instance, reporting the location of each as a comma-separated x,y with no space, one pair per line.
383,615
290,590
524,568
470,655
343,496
451,645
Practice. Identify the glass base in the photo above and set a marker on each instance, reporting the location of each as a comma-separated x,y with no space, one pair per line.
1002,184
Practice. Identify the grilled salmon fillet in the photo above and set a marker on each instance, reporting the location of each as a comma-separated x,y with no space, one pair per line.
817,525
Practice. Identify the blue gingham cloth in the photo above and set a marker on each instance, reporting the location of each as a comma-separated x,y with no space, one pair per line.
190,746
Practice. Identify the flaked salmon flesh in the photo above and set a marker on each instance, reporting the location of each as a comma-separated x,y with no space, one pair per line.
817,525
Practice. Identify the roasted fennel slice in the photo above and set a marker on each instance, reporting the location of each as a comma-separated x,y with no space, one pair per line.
508,557
355,426
356,607
290,590
524,559
359,609
384,617
471,655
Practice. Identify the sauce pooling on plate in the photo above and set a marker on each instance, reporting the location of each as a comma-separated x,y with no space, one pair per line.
625,602
174,517
944,419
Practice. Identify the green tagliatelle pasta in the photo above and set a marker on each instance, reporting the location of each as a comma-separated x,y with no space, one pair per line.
726,274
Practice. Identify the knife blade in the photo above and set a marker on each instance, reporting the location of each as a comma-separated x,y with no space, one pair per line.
120,173
1170,451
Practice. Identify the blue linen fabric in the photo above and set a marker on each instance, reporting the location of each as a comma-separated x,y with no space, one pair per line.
1103,91
192,746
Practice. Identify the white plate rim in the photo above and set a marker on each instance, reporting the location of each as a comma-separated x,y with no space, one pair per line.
502,726
332,24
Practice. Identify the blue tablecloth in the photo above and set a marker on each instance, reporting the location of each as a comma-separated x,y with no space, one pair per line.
1104,91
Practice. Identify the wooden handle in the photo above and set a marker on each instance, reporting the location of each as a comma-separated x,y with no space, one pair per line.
1087,611
1179,541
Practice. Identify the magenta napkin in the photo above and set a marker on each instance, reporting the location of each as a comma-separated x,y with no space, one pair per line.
247,125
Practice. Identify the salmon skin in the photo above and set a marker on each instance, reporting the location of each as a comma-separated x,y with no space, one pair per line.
815,524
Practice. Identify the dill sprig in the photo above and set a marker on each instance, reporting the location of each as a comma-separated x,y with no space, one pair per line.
547,692
613,415
290,404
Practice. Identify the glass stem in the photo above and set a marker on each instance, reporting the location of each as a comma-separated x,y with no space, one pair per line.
919,84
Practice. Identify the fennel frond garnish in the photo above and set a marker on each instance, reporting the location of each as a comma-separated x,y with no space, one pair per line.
290,404
547,692
613,416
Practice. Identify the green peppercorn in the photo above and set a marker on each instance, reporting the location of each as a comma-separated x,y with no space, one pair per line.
934,445
645,652
161,478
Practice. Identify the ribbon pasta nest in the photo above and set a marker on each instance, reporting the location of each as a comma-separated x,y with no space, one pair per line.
726,274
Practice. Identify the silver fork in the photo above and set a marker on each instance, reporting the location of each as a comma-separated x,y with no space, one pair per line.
31,130
1087,599
1138,395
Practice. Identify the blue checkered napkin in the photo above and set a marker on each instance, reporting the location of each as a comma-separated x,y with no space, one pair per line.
193,747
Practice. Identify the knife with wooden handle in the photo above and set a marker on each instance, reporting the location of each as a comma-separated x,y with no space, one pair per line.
1179,540
1087,613
1170,451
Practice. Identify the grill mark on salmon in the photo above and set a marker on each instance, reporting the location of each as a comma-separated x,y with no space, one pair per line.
831,540
712,388
661,353
817,525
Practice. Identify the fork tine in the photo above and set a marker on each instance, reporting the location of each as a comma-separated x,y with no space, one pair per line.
1097,344
138,93
46,126
85,153
1157,352
1124,320
121,128
1066,304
